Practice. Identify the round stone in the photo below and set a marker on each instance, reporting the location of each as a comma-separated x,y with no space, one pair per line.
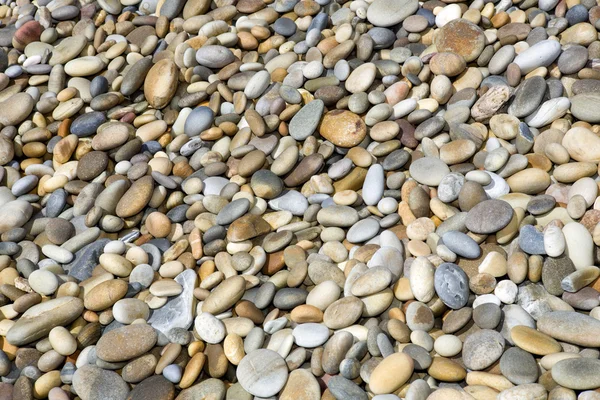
461,37
262,373
481,349
343,128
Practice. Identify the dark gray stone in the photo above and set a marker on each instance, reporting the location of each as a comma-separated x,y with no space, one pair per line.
343,388
541,204
86,260
528,97
86,124
284,26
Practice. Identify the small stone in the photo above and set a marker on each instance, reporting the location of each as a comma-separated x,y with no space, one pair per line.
451,285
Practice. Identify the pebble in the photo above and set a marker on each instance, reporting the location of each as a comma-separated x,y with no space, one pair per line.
461,244
386,13
541,54
482,349
262,373
489,216
451,285
305,122
579,374
382,380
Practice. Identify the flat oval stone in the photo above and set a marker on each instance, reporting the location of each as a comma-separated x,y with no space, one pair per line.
340,216
363,230
126,343
301,385
87,124
577,373
489,216
386,13
209,328
343,312
526,391
429,170
585,107
461,244
461,37
305,122
343,128
214,56
84,66
68,49
391,373
374,280
39,320
531,241
571,327
136,197
199,120
343,388
225,295
541,54
374,185
15,109
262,373
161,83
518,366
452,285
89,380
310,335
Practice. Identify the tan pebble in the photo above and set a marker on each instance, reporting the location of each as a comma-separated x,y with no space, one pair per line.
534,341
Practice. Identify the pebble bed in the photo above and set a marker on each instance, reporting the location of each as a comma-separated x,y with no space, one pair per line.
299,200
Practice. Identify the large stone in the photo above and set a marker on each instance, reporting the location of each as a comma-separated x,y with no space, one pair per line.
94,383
39,320
386,13
577,373
461,37
161,83
126,343
571,327
263,373
489,216
481,349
